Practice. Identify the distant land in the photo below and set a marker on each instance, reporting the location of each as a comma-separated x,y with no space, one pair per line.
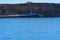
44,9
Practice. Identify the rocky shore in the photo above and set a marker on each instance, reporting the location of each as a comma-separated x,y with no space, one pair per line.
45,9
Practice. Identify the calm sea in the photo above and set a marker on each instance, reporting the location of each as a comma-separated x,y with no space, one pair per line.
29,28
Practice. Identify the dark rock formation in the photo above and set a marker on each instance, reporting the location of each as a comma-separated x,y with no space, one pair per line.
45,9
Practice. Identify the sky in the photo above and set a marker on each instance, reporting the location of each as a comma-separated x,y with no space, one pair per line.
24,1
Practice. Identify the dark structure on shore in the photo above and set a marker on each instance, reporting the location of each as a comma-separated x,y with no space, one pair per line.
45,9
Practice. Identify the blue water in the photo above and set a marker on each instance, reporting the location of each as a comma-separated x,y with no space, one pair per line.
29,28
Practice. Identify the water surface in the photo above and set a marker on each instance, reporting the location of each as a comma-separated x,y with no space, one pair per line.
29,28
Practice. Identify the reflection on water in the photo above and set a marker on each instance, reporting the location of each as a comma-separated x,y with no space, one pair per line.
30,28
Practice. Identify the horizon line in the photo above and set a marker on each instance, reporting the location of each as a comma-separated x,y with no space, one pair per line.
26,2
